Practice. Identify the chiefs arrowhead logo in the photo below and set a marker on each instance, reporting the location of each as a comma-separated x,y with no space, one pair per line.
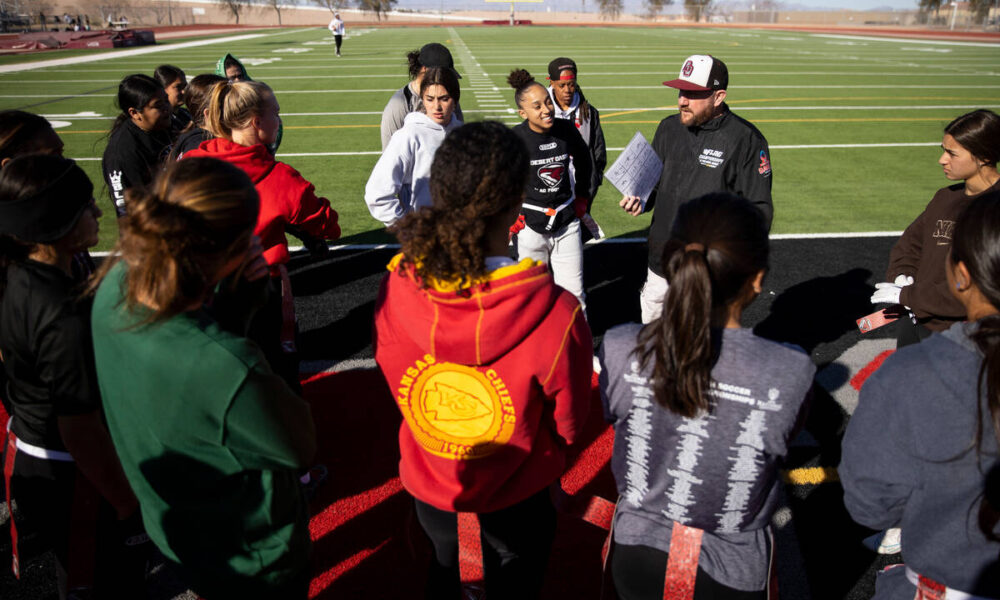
551,175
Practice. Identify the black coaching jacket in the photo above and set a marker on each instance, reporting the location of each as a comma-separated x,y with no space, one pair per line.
726,154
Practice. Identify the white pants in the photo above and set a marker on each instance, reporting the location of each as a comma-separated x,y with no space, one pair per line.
652,295
562,250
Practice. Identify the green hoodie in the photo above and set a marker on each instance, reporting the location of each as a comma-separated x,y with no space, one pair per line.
220,67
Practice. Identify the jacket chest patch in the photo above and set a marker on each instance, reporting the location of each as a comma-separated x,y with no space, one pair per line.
711,158
455,411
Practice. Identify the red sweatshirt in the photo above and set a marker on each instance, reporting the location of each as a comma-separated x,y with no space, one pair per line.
285,196
493,383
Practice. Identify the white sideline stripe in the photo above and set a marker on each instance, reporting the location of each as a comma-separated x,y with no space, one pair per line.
321,367
58,62
777,147
597,87
613,241
72,117
907,40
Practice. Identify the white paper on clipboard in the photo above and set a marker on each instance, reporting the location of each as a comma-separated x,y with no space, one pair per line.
637,169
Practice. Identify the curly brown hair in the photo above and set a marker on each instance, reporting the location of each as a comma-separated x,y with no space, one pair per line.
477,182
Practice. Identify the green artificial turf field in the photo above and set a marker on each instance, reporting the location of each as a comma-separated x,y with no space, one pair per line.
853,122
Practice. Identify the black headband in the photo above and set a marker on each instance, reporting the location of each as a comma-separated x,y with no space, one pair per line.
51,212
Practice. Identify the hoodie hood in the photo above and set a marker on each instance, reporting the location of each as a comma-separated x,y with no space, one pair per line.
256,161
220,67
475,325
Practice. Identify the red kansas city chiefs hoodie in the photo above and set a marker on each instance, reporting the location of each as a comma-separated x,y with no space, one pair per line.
285,196
493,382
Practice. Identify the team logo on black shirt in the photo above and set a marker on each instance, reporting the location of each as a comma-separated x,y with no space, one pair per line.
551,175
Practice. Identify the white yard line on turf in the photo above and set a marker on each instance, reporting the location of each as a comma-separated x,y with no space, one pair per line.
776,147
908,40
642,240
59,62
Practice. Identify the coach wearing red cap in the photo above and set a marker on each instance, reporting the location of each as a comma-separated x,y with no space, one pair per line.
704,148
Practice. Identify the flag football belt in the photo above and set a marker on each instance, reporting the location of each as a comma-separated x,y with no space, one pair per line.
37,451
550,212
287,312
928,589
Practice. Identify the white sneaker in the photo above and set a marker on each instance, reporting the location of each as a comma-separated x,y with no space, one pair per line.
891,543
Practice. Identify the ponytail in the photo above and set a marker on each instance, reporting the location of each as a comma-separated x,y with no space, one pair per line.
717,247
232,105
680,341
194,218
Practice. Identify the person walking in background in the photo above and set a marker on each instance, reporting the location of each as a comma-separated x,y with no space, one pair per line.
491,364
407,99
336,27
400,181
916,276
139,140
705,148
553,202
703,412
570,104
920,451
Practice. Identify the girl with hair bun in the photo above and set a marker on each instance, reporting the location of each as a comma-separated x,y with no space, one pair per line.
399,183
915,277
491,363
555,198
244,119
210,437
56,432
921,449
703,412
139,140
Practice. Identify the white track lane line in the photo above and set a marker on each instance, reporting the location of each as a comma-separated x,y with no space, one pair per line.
59,62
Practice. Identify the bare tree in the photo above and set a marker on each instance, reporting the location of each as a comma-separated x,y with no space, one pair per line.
277,5
611,9
698,9
980,10
236,7
927,6
655,7
331,5
380,7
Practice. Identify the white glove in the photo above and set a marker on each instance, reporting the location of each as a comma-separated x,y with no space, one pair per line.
903,280
887,293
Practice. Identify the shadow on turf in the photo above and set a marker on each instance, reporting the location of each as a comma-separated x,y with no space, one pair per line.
810,314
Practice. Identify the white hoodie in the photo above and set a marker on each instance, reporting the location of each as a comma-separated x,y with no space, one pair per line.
400,181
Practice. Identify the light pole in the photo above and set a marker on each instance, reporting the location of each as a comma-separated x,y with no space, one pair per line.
954,14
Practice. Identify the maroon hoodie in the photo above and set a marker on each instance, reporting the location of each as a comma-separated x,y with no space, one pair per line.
285,196
493,382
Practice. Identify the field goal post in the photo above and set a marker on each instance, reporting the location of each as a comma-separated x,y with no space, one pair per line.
512,3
